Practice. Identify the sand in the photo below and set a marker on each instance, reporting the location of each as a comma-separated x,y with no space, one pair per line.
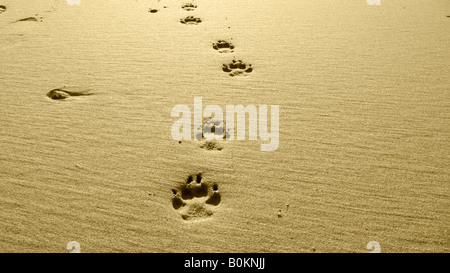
363,155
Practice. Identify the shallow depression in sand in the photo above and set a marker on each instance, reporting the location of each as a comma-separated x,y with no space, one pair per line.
195,199
223,46
237,68
64,93
190,20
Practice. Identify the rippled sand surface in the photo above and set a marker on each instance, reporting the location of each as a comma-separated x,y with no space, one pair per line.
364,122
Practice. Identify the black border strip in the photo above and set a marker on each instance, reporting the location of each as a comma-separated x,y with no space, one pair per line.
228,262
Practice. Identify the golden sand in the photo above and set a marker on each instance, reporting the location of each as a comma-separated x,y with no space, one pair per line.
364,101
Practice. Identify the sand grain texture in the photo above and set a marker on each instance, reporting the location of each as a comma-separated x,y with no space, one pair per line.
364,126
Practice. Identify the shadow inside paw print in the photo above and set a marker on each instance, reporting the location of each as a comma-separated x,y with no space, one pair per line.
153,10
191,20
189,6
223,46
237,68
196,198
2,9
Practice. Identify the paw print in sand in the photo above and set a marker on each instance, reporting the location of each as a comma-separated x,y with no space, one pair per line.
191,20
196,198
189,6
223,46
237,68
212,133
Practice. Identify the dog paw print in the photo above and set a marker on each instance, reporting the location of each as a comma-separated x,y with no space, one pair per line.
2,9
237,68
196,198
153,10
189,6
211,128
223,46
191,20
211,132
